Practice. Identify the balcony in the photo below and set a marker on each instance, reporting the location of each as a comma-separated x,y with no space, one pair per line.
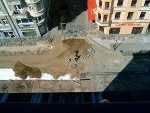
23,27
106,23
31,1
35,11
13,2
35,14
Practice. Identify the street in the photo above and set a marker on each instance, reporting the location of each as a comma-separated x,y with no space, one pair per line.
74,17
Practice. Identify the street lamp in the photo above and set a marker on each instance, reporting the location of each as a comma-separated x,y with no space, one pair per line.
116,46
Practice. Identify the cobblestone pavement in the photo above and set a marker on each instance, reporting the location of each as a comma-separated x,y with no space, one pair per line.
125,43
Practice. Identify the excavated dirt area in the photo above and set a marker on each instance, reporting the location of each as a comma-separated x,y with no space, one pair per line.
51,61
24,71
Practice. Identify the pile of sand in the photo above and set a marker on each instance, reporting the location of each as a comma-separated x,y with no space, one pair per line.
23,71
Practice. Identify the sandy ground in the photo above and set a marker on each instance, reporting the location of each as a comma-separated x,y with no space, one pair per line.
51,61
93,70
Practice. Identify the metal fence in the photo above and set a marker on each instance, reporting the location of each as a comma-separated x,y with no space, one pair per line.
94,97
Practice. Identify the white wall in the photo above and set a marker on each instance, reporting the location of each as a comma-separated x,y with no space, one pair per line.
143,1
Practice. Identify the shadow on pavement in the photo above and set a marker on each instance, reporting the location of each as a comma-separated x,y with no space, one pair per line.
65,11
133,81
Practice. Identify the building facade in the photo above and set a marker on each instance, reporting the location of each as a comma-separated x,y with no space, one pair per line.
7,28
122,16
22,18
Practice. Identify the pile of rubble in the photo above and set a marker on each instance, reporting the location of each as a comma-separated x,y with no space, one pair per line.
40,50
13,44
75,33
89,54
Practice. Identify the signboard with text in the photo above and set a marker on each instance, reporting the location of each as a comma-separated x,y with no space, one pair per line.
129,24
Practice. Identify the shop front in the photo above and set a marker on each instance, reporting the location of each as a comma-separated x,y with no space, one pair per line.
125,28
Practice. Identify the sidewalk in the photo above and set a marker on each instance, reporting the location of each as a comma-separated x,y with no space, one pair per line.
126,43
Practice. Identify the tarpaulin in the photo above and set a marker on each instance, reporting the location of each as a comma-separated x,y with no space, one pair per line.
91,7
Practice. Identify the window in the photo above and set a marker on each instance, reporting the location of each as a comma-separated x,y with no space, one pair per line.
106,5
4,21
6,35
26,26
101,28
147,3
19,7
133,3
99,16
29,33
105,18
120,3
130,15
114,31
142,15
36,20
117,15
40,18
9,34
24,20
30,20
137,30
100,3
18,21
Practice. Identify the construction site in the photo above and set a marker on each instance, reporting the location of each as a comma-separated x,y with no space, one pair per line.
74,55
94,68
71,57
